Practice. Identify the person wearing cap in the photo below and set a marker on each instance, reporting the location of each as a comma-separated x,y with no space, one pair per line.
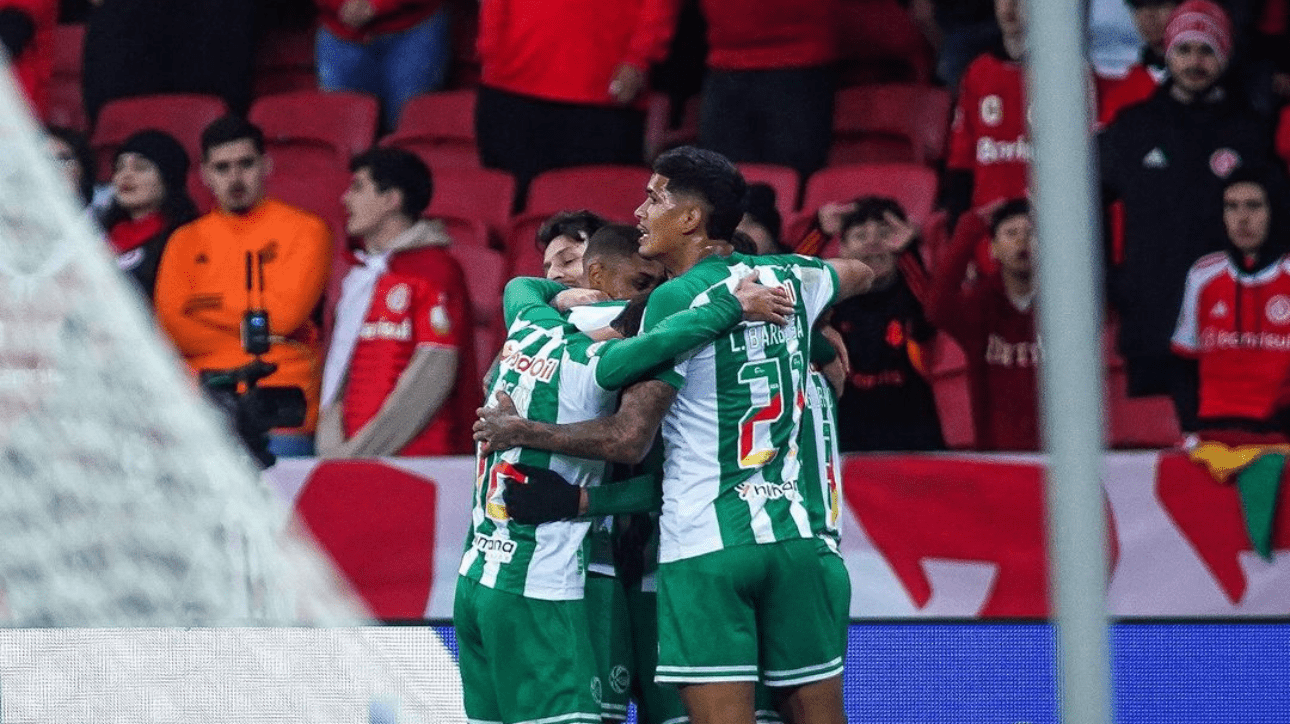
149,201
1166,159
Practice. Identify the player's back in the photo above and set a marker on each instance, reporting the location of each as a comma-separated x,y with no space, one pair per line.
732,467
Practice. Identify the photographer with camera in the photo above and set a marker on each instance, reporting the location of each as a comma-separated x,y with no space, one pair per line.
236,289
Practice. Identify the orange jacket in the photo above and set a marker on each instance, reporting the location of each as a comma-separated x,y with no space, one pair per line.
201,291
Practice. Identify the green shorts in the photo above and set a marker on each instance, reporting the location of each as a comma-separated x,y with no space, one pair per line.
737,613
524,659
611,641
661,703
837,580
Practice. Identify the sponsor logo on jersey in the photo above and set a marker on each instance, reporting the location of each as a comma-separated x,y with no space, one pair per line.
992,110
494,549
620,679
989,151
396,300
130,259
1278,309
384,329
768,491
1224,161
1213,339
540,368
1155,158
1219,310
1003,353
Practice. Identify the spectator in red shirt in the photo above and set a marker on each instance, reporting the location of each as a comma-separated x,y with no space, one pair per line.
993,320
1150,18
400,374
393,49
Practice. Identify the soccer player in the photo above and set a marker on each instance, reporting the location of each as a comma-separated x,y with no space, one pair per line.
735,535
521,624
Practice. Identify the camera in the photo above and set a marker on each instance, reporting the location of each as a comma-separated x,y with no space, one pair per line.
255,409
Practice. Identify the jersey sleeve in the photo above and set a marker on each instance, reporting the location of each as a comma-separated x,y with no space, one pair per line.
530,297
624,361
668,299
437,315
962,146
819,284
1186,339
641,494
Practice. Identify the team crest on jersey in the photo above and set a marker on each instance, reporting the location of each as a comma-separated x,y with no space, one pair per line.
1223,162
1219,310
992,110
396,300
439,319
620,679
1278,309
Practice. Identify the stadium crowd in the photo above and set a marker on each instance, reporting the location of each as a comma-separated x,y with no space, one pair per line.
361,193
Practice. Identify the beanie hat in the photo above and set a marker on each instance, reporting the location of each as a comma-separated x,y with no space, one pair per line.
164,152
1202,21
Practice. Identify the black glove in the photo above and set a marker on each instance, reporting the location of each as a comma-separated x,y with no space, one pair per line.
541,497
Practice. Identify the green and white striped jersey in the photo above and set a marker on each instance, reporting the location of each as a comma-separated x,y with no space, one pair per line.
556,374
821,456
731,458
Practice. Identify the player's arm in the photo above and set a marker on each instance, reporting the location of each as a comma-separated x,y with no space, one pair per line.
529,296
543,499
854,277
623,437
627,360
421,390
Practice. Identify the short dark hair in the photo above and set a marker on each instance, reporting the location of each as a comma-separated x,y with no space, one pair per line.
743,243
871,208
710,177
759,205
395,168
628,321
613,240
230,128
1018,206
579,225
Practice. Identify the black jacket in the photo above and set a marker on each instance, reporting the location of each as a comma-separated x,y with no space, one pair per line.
1167,161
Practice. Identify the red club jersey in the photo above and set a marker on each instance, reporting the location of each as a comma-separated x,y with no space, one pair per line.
422,299
1238,326
988,136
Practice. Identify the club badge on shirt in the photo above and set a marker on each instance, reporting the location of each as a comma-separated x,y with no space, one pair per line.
396,300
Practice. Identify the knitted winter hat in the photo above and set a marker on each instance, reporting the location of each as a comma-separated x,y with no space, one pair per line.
162,150
1202,21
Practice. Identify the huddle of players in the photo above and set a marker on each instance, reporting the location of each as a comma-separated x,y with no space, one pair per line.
749,602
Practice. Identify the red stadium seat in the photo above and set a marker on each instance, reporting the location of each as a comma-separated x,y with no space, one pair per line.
486,276
783,179
613,191
378,525
439,127
903,122
476,193
285,62
1134,423
465,231
880,43
66,102
521,245
913,185
182,115
304,130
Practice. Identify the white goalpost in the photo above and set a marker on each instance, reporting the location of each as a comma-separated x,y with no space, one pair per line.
147,573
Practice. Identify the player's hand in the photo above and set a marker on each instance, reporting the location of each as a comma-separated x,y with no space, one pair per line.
498,425
543,496
903,233
356,13
830,216
627,83
570,298
762,303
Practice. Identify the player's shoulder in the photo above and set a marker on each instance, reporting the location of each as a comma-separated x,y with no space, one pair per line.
1210,264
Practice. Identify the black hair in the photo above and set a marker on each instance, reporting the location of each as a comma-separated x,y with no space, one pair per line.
743,243
1278,199
578,225
613,240
871,208
80,147
1017,206
171,161
230,128
628,321
395,168
759,205
711,178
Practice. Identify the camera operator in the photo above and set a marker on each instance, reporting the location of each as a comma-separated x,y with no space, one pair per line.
250,253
